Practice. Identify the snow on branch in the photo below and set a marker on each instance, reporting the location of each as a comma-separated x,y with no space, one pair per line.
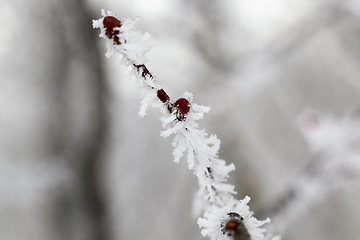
225,217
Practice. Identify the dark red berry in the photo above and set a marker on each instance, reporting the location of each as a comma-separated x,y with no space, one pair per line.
182,106
235,227
231,225
162,95
110,23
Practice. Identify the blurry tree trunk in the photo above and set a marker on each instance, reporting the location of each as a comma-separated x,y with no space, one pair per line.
87,121
53,119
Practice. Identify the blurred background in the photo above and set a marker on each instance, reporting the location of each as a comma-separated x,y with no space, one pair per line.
78,163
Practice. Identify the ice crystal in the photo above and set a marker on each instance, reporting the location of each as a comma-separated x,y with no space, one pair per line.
215,217
133,44
180,118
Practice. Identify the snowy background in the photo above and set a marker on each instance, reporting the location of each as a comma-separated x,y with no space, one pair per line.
282,79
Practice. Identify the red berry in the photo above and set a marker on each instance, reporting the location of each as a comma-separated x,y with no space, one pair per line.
110,23
182,106
162,95
231,225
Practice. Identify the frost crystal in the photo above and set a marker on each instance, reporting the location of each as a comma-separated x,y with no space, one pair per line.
223,214
212,174
215,218
133,44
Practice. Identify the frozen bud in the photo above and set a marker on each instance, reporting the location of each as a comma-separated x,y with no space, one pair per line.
162,95
182,106
110,23
235,227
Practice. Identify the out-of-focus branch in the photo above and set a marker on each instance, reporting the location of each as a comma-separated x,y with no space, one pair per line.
334,161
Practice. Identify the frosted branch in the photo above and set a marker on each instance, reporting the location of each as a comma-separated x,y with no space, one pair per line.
224,216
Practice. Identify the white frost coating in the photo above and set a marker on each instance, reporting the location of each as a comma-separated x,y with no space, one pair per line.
202,154
148,99
201,150
134,45
215,217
